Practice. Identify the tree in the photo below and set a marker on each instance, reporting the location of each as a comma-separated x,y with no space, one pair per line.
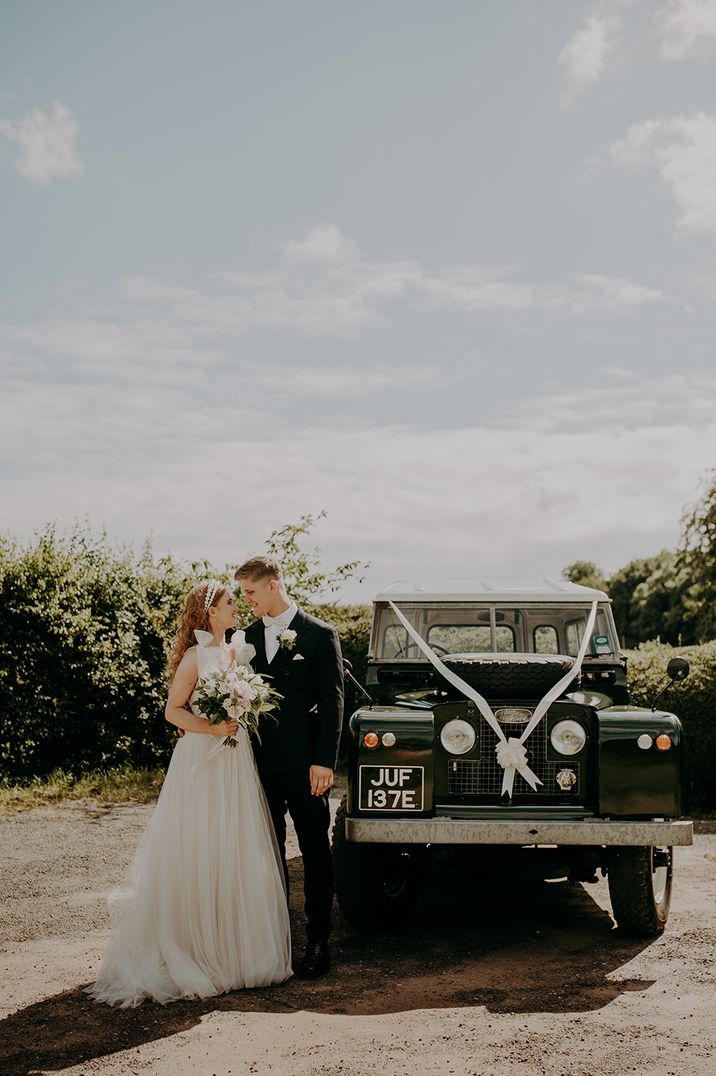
670,596
648,599
697,555
305,580
586,573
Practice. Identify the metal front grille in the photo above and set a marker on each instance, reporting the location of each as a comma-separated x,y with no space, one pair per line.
463,776
483,776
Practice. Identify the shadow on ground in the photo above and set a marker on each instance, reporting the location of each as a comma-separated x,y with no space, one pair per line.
537,948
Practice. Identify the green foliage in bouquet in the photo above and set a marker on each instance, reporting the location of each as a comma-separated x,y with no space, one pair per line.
239,693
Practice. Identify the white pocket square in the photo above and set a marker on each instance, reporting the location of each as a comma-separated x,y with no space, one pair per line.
298,657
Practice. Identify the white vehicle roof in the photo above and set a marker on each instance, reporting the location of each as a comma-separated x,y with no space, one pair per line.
518,591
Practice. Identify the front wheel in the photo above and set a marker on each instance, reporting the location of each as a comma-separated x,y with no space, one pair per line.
377,885
640,888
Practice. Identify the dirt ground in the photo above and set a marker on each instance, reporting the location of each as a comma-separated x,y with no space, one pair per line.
533,981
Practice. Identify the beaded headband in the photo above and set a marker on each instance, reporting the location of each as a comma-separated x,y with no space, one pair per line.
211,589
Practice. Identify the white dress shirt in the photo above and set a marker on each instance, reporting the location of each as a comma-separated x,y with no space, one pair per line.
273,626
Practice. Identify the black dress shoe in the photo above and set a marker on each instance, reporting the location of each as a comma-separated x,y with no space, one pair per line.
316,961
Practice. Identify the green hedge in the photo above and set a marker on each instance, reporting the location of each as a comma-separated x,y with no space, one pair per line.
693,701
352,622
83,631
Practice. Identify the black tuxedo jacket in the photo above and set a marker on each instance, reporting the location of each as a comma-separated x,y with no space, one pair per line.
310,678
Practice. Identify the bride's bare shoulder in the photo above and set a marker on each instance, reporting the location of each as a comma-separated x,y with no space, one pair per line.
187,667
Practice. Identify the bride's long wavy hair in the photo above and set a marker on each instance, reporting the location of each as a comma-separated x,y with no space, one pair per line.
192,617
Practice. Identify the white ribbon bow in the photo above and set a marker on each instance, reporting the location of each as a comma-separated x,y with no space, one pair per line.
203,638
511,754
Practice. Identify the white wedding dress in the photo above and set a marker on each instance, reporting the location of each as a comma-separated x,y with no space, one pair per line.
202,909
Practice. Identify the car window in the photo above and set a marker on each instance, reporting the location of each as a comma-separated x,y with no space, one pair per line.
601,639
544,639
465,628
572,635
469,638
395,642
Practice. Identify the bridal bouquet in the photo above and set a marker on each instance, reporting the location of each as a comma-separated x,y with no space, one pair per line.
236,692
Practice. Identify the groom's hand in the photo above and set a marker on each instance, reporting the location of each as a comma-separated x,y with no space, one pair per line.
321,779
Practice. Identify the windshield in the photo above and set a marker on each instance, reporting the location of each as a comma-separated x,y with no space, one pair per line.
465,628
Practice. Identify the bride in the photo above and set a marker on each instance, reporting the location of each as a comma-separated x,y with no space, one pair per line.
202,909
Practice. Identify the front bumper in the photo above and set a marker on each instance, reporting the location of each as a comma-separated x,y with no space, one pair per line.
460,831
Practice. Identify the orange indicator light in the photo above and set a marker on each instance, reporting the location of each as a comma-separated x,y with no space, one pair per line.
663,742
371,739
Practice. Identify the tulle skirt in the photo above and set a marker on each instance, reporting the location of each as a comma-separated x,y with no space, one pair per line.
202,909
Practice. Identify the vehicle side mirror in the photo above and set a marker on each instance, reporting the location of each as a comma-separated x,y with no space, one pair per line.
677,669
348,669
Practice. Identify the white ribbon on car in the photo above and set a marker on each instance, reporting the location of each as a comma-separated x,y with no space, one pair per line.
511,752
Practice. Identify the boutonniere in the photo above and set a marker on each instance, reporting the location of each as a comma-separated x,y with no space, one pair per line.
287,639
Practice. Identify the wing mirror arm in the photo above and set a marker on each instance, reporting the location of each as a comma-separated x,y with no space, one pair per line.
348,670
676,670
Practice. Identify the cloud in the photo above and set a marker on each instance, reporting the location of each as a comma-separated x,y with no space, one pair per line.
154,329
324,243
480,289
668,401
318,382
175,408
619,373
683,150
684,28
584,58
597,474
47,144
325,284
613,293
687,27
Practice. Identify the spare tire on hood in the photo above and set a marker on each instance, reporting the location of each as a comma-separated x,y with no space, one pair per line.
509,675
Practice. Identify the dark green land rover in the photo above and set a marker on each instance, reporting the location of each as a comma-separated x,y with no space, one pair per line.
500,724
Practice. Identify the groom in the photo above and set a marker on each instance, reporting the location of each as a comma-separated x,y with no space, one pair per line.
297,755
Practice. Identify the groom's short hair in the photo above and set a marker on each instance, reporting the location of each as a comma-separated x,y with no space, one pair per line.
259,568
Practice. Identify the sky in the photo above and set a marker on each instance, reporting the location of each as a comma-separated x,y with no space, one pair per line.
446,271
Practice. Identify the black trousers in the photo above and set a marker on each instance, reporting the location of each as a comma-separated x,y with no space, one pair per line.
311,817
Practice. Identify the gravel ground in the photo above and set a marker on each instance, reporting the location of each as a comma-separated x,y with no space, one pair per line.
540,983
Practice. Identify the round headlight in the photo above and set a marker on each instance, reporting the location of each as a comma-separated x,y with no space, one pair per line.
568,737
457,737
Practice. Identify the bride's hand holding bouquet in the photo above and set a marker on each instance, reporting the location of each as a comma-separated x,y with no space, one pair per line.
234,696
220,696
